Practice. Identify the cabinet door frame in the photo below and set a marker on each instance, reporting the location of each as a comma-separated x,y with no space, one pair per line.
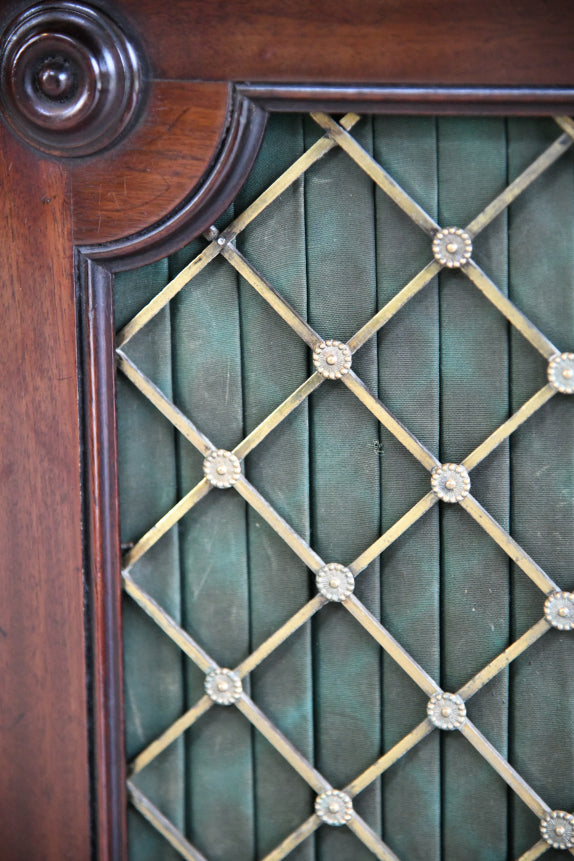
193,137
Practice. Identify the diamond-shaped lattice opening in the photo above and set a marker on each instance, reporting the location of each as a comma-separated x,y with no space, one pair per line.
330,475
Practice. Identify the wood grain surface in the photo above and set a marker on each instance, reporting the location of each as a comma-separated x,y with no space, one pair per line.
142,179
44,794
426,42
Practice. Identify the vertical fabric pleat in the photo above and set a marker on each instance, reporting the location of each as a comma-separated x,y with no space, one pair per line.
408,350
154,689
345,481
542,284
214,575
451,368
275,363
474,401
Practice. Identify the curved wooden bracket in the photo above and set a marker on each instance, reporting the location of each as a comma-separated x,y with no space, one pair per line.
171,179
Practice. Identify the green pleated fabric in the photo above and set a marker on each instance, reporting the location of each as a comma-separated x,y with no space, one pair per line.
451,368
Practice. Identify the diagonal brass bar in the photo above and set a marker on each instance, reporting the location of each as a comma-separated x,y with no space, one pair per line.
276,417
295,838
501,433
282,745
394,305
539,341
566,123
537,851
176,729
168,625
162,824
271,643
271,296
390,757
509,545
166,522
280,526
391,188
371,840
504,769
166,295
504,659
386,418
395,531
293,172
163,404
391,646
517,186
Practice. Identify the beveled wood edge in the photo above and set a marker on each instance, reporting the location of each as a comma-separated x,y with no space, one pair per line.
438,100
102,556
230,168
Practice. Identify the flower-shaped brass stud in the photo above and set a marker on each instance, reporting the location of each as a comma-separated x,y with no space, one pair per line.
221,468
446,711
335,582
223,687
559,610
561,373
334,807
450,482
452,247
557,828
332,359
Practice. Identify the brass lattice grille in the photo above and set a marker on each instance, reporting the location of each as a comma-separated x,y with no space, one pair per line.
449,247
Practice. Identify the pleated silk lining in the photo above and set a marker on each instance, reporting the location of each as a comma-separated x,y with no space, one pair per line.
452,369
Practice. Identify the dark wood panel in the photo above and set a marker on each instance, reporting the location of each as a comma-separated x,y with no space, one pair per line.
44,809
145,177
512,43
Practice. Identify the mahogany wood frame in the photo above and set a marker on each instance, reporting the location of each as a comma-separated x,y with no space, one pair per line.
69,224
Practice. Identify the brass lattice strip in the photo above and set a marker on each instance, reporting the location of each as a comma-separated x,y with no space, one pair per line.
162,824
294,839
271,643
280,526
168,625
504,769
166,522
361,830
504,659
282,745
509,545
276,417
526,178
271,296
395,531
166,295
566,123
180,421
526,328
391,188
391,646
508,427
293,172
537,851
390,757
169,736
394,305
387,419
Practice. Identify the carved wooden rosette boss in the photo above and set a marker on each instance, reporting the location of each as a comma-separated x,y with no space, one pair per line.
71,78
